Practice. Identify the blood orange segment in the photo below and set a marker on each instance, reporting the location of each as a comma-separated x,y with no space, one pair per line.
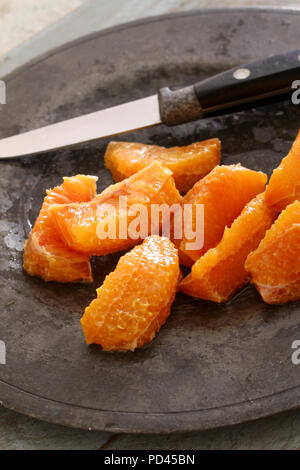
83,226
284,186
220,272
275,265
45,254
223,193
135,300
188,164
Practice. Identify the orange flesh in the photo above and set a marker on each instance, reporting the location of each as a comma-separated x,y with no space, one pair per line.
284,185
45,254
126,314
78,224
224,193
220,272
188,164
275,265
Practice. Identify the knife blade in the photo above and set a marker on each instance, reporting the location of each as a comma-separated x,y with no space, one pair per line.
106,123
249,83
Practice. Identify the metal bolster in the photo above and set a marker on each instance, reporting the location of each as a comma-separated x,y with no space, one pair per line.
179,106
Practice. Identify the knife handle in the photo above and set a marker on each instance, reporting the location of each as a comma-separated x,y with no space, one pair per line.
253,82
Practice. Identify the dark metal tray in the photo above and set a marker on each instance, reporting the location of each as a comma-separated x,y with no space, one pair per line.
211,365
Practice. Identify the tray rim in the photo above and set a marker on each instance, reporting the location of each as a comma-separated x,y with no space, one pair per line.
48,410
147,20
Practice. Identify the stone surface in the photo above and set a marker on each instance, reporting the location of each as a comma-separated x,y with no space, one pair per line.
19,432
19,23
20,20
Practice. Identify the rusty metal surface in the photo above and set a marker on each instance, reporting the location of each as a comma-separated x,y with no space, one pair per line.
210,365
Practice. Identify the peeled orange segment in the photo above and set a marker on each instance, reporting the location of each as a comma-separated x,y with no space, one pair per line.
109,223
135,300
220,272
275,265
188,164
223,193
284,186
45,254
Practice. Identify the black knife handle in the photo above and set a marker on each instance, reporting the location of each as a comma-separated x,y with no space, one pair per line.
253,82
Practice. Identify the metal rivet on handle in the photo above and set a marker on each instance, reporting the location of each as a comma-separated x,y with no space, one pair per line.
241,74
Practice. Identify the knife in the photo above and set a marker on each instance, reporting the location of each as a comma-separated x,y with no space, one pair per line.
249,83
